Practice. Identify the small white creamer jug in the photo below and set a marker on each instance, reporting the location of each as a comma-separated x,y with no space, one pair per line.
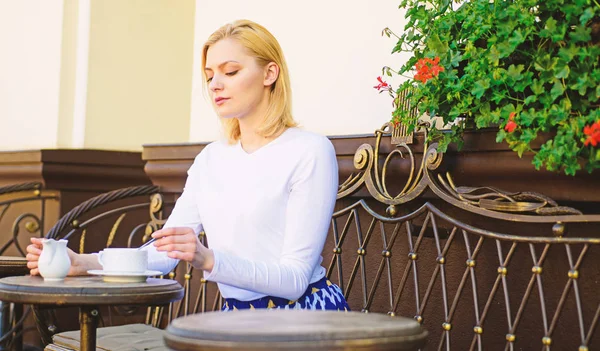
54,262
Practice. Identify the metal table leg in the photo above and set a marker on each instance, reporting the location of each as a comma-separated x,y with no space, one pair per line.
17,343
88,322
4,323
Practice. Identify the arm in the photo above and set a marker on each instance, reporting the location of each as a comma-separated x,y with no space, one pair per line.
80,263
308,215
185,214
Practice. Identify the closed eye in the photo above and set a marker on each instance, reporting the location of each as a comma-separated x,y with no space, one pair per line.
231,73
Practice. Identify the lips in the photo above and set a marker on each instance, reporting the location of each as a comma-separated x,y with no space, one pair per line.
220,100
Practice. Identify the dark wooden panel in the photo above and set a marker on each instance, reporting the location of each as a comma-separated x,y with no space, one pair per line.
481,162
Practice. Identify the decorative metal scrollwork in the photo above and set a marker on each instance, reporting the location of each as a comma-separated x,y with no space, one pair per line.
483,200
366,160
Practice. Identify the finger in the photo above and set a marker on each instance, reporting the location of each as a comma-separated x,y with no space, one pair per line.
32,257
32,264
36,241
171,231
32,249
34,272
177,247
175,239
184,256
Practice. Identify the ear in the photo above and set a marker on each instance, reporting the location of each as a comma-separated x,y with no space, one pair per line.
271,73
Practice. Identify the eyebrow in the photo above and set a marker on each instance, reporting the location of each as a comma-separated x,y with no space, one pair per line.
220,65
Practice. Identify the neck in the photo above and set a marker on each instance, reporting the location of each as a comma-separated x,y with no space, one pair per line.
250,139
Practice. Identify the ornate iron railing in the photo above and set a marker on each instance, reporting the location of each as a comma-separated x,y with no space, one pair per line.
120,218
481,259
28,222
479,267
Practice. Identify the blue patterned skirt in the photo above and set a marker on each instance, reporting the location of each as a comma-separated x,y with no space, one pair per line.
320,295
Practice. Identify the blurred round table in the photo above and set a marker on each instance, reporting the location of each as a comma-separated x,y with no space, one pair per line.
294,330
11,266
88,293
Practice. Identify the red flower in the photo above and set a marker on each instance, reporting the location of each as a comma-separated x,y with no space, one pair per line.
381,84
427,69
593,133
511,125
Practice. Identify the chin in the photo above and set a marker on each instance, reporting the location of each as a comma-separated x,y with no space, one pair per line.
227,115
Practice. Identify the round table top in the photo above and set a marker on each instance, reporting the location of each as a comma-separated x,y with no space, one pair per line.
294,330
11,266
88,290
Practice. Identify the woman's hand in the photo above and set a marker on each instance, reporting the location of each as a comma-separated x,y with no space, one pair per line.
183,244
80,263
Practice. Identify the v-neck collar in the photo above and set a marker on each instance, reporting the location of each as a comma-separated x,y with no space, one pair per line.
272,142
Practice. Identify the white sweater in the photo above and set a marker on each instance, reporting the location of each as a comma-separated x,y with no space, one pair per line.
266,214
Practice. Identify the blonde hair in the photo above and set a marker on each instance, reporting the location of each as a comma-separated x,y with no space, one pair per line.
264,47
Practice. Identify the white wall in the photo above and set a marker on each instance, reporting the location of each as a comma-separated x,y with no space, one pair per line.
30,50
334,50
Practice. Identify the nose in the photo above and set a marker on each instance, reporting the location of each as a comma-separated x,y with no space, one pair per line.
215,84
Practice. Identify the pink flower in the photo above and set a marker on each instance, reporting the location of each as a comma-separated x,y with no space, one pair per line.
381,84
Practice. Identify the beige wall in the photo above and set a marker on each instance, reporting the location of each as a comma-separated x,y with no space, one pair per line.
140,73
100,74
67,74
30,51
133,77
334,50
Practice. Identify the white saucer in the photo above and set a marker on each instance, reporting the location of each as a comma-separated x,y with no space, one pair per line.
124,277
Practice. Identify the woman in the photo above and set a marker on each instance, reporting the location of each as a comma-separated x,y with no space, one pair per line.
264,196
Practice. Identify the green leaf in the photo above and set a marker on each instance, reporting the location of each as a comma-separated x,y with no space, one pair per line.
572,169
435,44
559,33
494,56
537,87
546,100
507,110
500,136
545,63
516,38
557,90
562,71
526,118
455,58
582,84
520,148
587,15
530,99
581,34
514,72
505,49
598,91
568,53
528,135
549,28
495,115
537,162
480,87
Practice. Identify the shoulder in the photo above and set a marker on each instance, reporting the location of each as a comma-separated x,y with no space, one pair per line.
212,151
309,142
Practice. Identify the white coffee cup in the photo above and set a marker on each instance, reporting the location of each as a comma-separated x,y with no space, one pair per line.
123,260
